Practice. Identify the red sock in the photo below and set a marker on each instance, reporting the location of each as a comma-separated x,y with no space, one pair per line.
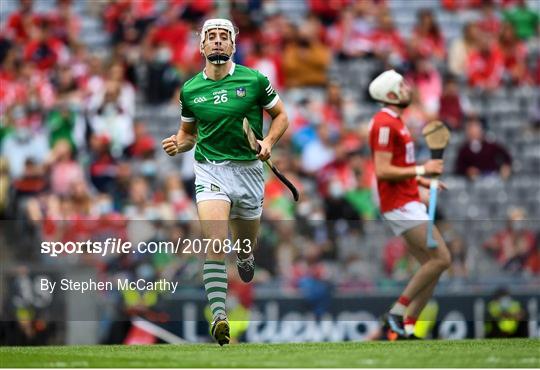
404,300
409,320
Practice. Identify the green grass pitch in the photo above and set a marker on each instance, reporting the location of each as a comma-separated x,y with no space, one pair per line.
463,353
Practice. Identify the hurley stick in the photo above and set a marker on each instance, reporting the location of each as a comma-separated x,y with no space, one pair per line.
254,145
437,137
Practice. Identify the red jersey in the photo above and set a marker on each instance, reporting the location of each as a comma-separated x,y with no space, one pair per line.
388,133
486,70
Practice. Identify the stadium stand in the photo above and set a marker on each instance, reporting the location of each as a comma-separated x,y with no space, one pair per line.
102,94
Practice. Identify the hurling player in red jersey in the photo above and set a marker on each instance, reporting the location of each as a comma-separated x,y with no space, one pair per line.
398,178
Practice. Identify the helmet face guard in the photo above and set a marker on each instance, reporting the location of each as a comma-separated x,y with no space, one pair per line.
387,82
218,23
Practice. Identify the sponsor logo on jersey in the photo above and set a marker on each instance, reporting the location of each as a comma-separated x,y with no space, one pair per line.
222,91
214,188
199,99
241,92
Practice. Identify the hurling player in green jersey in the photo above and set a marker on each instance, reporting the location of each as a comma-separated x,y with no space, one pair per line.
229,181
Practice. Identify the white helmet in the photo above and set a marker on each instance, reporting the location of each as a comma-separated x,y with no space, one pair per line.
218,58
385,83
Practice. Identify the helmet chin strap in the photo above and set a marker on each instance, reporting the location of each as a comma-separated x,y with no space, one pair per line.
403,105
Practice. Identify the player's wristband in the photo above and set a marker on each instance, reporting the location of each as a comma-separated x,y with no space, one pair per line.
420,170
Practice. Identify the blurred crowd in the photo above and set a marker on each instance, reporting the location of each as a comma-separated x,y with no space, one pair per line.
73,151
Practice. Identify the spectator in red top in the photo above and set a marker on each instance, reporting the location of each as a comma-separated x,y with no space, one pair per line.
489,22
450,105
332,109
512,246
44,49
337,33
514,54
129,21
350,37
142,144
21,22
453,5
328,11
33,87
193,10
427,38
337,177
112,13
171,32
485,66
144,12
65,24
8,75
387,40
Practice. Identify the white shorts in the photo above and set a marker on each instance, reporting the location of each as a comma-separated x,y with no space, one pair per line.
406,217
239,183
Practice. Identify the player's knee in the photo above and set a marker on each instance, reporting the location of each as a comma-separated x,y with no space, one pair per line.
447,262
444,261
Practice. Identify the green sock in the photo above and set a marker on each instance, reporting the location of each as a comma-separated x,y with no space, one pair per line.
215,285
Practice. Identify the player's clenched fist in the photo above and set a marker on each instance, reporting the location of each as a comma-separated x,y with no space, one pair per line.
266,150
170,145
434,167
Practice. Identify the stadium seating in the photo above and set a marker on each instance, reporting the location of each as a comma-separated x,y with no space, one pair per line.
505,111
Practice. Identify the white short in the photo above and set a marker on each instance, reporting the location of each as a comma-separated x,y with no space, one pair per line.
240,183
406,217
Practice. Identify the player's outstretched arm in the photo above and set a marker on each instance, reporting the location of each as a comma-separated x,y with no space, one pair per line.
278,126
384,170
183,141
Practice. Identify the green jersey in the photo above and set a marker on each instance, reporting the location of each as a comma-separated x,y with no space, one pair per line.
219,108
